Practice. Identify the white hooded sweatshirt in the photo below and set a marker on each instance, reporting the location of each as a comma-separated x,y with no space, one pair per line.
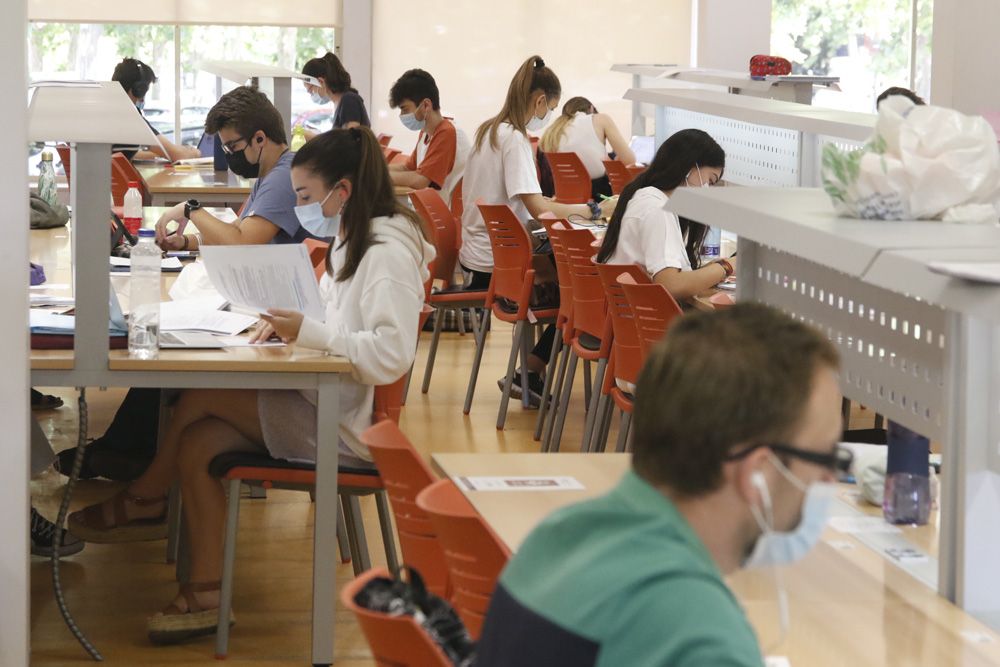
371,318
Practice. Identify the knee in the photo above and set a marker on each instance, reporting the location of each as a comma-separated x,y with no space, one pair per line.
193,453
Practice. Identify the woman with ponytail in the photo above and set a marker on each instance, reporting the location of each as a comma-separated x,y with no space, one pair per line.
373,289
328,81
582,130
642,231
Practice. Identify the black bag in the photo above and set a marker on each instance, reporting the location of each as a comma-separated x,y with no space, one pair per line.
438,619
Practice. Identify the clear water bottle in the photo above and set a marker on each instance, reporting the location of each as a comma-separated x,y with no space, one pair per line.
907,497
133,208
47,180
144,298
710,248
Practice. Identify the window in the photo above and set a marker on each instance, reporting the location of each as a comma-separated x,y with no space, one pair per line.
869,44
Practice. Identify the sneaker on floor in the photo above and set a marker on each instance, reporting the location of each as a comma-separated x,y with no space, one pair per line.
43,533
536,385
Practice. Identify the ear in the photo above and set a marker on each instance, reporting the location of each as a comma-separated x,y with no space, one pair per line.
749,476
347,187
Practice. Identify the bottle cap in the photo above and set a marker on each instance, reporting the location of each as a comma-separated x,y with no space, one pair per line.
147,233
46,156
133,184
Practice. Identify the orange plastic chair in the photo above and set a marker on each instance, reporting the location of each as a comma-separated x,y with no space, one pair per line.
626,354
395,641
65,156
389,153
509,298
570,178
317,255
475,555
654,309
384,139
618,175
122,173
457,209
405,474
444,229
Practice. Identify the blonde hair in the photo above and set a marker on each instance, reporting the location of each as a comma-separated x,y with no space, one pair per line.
532,76
557,130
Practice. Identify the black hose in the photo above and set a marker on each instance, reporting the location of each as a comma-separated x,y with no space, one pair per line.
81,445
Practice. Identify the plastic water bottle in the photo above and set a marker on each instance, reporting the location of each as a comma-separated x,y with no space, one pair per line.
907,497
133,208
298,138
47,180
144,298
711,247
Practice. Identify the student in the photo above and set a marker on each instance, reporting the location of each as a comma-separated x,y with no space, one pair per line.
329,81
642,231
896,90
438,159
582,130
373,289
135,77
636,577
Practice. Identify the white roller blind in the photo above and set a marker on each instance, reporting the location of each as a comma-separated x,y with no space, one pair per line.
238,12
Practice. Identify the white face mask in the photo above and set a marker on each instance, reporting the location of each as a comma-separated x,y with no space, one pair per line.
535,123
701,181
317,98
410,122
313,221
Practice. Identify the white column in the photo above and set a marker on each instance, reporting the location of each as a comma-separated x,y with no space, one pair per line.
357,45
14,412
726,33
963,70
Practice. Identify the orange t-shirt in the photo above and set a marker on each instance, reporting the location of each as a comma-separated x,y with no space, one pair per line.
434,155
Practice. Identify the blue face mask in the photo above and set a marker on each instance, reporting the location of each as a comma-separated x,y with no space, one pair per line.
317,98
410,122
313,221
781,548
140,105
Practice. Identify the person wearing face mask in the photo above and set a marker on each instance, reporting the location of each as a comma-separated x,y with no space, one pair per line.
136,77
327,81
642,231
438,159
373,289
734,455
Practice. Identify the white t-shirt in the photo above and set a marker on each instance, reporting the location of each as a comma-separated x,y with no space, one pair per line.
581,138
495,176
650,234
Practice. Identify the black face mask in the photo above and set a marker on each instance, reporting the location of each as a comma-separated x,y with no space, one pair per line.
239,165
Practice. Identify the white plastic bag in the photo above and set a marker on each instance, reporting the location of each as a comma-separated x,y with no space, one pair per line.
923,162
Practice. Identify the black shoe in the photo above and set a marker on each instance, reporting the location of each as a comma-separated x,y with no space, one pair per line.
536,385
40,401
43,533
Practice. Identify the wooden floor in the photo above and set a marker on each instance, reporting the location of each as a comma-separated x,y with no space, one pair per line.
111,589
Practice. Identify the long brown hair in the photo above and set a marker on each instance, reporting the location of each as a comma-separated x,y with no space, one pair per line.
554,133
531,76
356,155
334,75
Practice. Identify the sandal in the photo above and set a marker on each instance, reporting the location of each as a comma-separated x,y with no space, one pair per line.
40,401
174,625
90,523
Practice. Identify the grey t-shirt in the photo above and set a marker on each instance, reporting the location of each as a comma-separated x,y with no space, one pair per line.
273,199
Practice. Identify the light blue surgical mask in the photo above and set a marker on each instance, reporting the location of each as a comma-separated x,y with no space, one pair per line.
140,105
317,98
410,122
313,221
702,183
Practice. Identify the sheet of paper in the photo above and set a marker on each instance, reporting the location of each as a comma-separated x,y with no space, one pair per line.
520,483
38,300
189,316
50,322
265,276
862,524
167,264
777,661
244,341
982,272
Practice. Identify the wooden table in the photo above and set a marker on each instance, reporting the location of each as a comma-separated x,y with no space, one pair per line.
848,604
170,185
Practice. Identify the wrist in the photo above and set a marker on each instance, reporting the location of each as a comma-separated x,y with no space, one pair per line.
595,210
727,267
190,206
187,240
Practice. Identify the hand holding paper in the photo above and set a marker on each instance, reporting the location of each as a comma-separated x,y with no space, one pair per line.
285,323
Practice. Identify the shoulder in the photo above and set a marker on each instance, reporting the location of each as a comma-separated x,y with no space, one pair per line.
646,200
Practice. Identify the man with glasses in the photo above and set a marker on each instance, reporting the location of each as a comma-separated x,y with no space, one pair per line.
737,417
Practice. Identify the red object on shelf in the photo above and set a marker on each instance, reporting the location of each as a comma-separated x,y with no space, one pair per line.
761,66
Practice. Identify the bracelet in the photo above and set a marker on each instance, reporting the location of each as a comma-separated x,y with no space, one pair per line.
595,210
726,266
187,239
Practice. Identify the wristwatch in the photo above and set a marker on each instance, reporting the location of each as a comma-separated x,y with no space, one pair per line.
595,210
191,205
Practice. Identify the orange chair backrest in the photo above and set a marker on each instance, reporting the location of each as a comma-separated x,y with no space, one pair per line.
554,228
444,231
384,139
389,153
457,208
317,255
405,474
570,178
474,553
123,171
618,175
65,156
654,309
395,641
626,351
511,255
388,399
589,303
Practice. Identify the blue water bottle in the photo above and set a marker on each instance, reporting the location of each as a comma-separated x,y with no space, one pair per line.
907,497
219,161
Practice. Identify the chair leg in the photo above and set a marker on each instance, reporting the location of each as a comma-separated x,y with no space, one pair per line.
587,386
432,353
527,336
173,523
343,542
460,316
477,361
557,406
388,536
550,372
228,567
509,378
606,413
356,534
595,399
258,492
623,429
182,568
564,403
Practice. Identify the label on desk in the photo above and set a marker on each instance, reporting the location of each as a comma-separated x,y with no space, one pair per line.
853,525
519,483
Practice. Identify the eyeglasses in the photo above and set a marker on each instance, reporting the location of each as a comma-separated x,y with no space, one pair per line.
227,147
839,460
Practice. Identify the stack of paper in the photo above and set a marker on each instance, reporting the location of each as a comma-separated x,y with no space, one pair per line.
202,315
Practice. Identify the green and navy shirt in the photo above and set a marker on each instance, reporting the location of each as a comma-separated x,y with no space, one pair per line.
617,581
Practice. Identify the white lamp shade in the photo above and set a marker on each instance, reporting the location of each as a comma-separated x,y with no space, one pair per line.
239,71
88,113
